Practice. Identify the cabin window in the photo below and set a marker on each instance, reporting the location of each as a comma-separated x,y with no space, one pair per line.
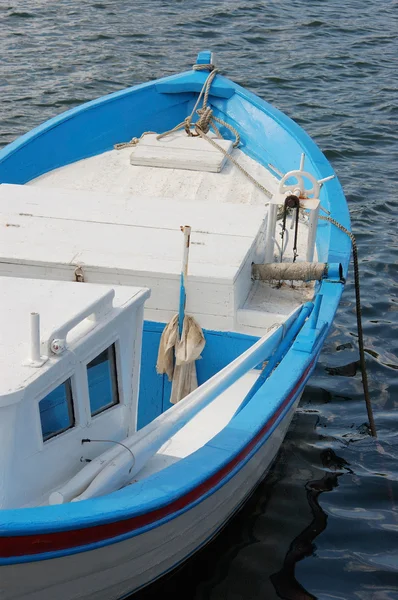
56,411
102,381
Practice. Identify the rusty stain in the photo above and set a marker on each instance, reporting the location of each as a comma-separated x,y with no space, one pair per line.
79,275
12,225
182,228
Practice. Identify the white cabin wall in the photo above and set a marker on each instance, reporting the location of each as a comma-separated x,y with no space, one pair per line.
41,466
8,446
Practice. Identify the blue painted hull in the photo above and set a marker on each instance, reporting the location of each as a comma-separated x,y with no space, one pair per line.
268,136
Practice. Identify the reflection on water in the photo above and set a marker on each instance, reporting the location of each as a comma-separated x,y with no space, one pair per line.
285,582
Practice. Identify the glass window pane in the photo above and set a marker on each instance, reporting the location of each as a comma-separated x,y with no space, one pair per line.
56,411
102,381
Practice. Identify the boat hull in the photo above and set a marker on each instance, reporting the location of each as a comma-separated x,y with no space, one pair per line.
117,570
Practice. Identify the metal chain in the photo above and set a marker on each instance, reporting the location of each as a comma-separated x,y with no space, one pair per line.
359,320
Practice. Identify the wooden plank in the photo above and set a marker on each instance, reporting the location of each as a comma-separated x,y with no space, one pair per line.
180,152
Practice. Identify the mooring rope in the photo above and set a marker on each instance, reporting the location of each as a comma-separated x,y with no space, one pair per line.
205,114
359,320
200,128
133,142
208,120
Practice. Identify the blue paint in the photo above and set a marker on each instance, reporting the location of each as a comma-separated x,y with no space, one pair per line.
204,57
155,390
56,411
280,352
102,381
193,82
181,307
150,403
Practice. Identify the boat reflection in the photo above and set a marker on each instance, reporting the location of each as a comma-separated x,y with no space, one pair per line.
284,581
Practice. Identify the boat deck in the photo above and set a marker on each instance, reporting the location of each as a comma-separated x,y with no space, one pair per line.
202,428
121,224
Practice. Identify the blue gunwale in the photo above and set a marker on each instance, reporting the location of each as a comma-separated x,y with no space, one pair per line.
181,478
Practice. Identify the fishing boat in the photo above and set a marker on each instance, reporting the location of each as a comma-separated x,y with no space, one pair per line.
171,260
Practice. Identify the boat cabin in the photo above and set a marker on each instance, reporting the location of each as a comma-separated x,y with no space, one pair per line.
70,371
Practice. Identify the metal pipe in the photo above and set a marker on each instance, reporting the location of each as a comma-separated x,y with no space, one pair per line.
35,337
270,233
312,227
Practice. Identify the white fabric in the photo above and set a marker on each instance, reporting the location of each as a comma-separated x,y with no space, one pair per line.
177,357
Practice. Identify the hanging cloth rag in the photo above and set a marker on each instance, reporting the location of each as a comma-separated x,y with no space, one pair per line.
176,357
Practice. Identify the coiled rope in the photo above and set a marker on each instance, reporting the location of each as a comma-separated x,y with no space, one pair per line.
200,128
358,308
208,120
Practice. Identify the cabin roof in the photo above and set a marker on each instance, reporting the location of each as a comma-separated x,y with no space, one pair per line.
57,302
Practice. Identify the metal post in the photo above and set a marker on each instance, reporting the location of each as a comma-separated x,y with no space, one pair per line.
312,227
35,337
270,234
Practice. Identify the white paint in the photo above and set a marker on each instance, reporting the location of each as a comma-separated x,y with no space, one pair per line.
133,241
186,229
299,188
22,388
202,427
179,151
214,302
112,173
312,227
95,311
270,237
35,359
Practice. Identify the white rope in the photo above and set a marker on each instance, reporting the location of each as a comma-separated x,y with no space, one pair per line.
206,121
133,142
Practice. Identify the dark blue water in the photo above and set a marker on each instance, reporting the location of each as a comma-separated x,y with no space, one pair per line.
325,523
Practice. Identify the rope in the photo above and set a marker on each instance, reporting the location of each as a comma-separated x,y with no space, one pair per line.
133,142
237,165
208,120
359,321
201,127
